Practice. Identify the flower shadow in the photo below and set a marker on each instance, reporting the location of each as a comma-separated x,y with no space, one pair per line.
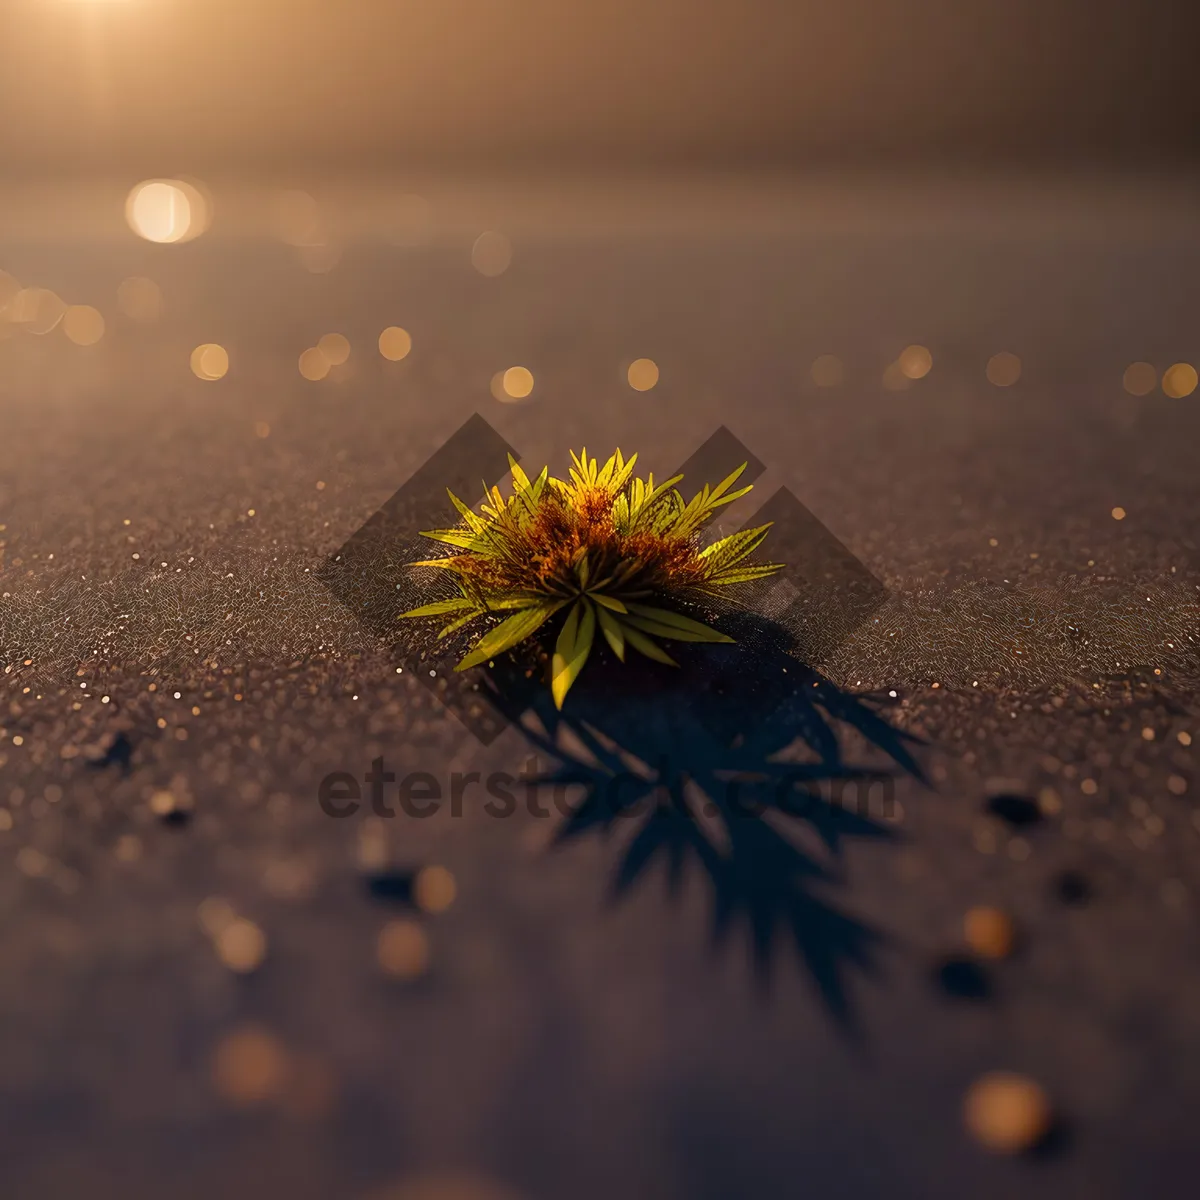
734,766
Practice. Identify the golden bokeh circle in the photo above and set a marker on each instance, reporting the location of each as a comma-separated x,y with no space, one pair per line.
827,371
140,298
335,347
167,210
1179,380
395,343
36,309
83,324
434,889
915,362
402,949
491,254
1003,369
516,383
210,361
313,364
642,374
1007,1113
249,1066
1140,378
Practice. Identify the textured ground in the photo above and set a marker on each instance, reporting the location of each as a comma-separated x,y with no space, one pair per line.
582,1028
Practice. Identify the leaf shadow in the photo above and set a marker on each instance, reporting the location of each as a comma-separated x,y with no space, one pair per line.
733,766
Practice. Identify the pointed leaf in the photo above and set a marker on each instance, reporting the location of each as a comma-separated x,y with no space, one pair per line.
671,632
439,608
608,602
572,650
643,645
447,630
614,635
462,538
676,620
509,633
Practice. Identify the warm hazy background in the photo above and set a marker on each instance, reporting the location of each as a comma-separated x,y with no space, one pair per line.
214,85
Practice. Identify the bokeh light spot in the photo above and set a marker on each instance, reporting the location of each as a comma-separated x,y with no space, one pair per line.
915,362
1179,380
249,1067
140,298
37,309
642,374
1003,369
1140,378
1118,513
167,210
402,949
491,254
827,371
313,364
395,343
516,383
434,889
335,347
83,324
210,361
298,219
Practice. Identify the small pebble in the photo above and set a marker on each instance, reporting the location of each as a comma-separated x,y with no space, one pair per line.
963,978
1007,1113
1018,811
990,932
1072,887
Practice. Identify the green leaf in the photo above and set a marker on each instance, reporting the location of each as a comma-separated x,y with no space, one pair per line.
449,564
726,484
447,630
735,547
676,620
461,538
439,608
608,602
643,645
736,574
474,523
513,600
572,650
614,635
671,633
519,478
509,633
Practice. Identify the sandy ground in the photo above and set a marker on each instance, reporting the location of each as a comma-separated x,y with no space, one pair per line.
630,1013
